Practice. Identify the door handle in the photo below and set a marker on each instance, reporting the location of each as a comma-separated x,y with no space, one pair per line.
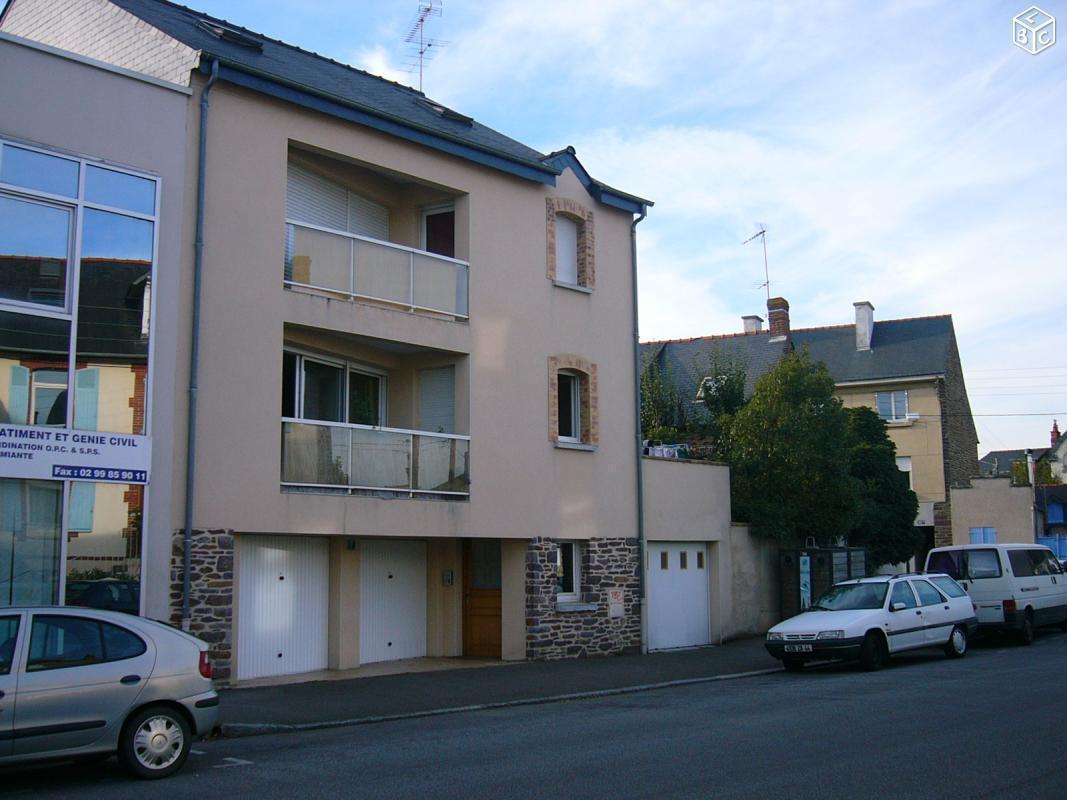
130,679
918,613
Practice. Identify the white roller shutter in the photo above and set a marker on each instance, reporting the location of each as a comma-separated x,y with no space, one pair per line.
437,400
316,200
282,605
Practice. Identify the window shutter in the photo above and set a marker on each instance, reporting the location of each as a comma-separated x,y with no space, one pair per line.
566,250
367,218
86,388
437,400
18,404
315,200
82,501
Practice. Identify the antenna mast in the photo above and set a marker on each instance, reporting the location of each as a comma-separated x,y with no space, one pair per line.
762,234
420,46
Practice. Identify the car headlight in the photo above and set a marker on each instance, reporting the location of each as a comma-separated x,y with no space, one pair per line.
830,635
774,636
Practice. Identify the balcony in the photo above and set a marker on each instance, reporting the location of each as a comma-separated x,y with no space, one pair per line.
357,458
363,268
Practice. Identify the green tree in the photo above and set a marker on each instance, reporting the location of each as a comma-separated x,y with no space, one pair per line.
662,412
789,456
884,522
723,393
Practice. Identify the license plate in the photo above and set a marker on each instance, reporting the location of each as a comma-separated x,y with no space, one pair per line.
798,648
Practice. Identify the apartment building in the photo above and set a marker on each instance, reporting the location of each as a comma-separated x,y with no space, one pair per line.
410,344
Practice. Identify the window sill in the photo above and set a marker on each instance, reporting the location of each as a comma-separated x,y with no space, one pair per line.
573,287
899,423
588,448
570,606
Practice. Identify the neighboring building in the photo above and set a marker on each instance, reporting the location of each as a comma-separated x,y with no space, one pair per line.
92,189
908,370
1050,506
416,428
993,511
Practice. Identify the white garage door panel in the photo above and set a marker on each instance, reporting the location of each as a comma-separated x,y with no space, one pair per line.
678,597
282,605
392,600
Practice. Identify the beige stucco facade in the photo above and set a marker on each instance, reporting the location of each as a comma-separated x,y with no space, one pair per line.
919,439
993,503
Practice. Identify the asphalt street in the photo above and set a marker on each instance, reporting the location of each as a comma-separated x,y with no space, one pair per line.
989,726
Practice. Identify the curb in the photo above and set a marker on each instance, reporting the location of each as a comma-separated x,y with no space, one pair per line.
235,730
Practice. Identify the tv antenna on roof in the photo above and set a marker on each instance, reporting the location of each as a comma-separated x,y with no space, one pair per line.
762,234
422,48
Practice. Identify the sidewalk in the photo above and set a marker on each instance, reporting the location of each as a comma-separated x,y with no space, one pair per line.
335,703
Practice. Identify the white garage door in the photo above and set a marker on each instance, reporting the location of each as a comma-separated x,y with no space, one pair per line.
282,605
679,611
392,600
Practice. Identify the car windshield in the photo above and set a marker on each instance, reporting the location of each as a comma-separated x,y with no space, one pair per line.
852,596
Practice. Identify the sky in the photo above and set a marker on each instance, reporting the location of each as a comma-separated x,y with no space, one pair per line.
906,153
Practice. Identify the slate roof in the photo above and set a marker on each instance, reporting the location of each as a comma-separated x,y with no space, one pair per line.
998,462
400,108
900,348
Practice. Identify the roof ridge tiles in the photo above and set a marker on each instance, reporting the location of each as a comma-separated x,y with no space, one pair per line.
711,336
794,330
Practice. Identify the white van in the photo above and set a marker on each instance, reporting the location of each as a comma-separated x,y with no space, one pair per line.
1013,586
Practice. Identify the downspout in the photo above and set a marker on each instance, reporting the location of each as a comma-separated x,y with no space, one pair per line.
637,441
194,351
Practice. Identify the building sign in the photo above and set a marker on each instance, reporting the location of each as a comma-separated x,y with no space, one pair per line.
615,604
61,453
805,581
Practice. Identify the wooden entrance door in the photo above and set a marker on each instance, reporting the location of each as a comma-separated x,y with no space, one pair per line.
481,598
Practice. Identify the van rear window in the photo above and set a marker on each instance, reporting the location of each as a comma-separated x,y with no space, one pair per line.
965,564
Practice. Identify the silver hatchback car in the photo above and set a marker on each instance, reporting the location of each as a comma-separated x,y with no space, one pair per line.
80,682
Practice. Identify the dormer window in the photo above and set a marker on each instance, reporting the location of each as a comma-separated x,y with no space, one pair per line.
231,35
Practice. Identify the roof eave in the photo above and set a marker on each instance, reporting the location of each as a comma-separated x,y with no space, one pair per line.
562,159
332,105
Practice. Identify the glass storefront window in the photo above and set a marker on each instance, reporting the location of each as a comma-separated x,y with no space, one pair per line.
34,356
34,247
104,546
40,171
29,541
120,190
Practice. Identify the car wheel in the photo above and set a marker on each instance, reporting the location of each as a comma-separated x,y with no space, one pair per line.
956,646
792,664
873,652
1025,634
155,742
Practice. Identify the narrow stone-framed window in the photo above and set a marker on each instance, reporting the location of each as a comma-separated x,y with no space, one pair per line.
573,419
568,572
570,244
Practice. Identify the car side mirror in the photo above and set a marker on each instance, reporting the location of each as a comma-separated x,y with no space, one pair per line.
898,606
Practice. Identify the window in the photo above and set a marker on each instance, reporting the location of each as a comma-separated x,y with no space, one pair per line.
664,560
57,642
439,231
983,535
683,560
949,587
928,595
318,389
572,397
9,634
570,409
700,559
892,406
30,524
568,572
902,593
570,244
982,564
48,400
904,465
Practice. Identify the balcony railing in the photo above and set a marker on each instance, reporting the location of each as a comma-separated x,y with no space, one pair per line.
361,457
370,269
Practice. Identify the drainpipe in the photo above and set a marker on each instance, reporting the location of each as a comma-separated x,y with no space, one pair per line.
637,441
194,350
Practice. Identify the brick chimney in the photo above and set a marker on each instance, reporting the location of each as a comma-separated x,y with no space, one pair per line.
1055,434
753,323
778,316
864,324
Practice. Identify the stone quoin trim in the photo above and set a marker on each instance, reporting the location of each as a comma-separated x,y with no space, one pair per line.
561,206
211,602
589,398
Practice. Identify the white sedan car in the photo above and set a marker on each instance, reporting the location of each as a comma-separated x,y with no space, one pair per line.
871,618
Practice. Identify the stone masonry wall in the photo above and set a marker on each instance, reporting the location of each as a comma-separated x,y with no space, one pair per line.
551,633
211,598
